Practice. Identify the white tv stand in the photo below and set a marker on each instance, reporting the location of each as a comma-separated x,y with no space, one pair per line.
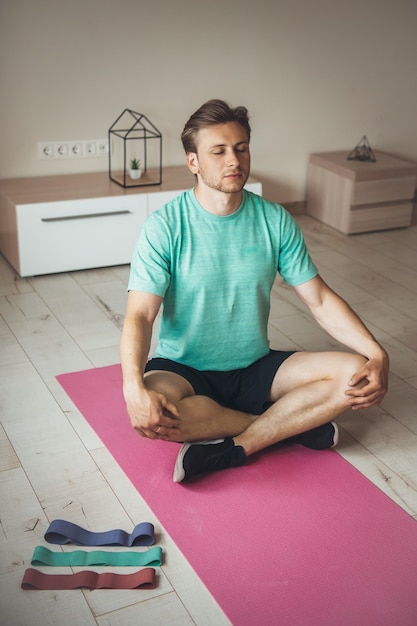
79,221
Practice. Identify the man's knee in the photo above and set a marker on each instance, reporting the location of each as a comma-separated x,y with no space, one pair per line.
353,364
172,385
356,362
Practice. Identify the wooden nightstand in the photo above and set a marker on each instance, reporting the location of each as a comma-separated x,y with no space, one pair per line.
361,196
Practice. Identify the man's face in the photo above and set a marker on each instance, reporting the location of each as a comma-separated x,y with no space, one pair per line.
222,160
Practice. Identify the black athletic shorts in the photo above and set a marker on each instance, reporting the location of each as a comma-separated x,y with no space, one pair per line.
244,389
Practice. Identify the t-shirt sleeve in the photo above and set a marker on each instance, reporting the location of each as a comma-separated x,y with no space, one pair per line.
295,264
150,266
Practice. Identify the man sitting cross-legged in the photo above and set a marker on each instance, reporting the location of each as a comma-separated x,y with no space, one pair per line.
210,258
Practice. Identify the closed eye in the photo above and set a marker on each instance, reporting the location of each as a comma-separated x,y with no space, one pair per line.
241,148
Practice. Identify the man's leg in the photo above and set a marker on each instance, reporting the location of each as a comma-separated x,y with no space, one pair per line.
201,417
308,391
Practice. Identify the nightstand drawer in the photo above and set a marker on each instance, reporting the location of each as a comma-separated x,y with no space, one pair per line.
383,190
380,217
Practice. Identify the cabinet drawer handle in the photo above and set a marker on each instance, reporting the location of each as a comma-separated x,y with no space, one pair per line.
82,216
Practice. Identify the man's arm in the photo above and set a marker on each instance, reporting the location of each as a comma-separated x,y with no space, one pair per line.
343,324
145,407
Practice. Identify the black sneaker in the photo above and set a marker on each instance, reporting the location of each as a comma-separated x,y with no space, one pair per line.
320,438
207,456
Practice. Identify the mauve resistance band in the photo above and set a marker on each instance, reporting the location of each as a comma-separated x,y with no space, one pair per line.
142,579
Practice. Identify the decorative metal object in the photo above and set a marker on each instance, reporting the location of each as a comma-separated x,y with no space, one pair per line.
135,151
362,151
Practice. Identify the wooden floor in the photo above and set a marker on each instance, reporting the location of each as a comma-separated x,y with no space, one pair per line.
53,466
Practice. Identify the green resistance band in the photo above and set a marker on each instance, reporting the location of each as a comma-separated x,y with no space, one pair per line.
44,556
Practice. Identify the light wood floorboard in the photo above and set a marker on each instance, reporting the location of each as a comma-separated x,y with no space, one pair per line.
53,465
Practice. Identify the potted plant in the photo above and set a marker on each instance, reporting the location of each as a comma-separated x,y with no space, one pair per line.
135,171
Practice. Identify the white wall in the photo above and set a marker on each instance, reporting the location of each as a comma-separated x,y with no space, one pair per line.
316,75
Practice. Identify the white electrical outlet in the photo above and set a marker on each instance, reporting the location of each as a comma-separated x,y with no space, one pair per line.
61,150
46,150
102,147
76,149
73,149
90,148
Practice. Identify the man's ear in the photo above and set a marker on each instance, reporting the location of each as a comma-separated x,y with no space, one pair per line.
192,162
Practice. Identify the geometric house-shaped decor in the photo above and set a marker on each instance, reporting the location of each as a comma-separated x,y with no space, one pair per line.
135,142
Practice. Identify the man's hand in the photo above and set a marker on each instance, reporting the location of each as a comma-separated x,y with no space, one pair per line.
369,384
151,414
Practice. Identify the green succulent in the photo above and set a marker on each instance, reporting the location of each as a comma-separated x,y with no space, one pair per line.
135,164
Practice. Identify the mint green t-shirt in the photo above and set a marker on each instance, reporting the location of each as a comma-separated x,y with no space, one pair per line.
215,275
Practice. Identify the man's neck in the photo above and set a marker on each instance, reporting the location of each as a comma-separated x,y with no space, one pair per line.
218,202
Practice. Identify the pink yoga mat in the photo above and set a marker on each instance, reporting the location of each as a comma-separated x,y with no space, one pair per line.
296,537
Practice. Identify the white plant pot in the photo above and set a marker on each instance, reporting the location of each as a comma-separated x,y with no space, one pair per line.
135,174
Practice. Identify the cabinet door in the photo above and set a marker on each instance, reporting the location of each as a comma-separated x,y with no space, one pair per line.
79,234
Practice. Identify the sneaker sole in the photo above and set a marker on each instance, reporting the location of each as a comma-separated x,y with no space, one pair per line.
336,435
179,472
